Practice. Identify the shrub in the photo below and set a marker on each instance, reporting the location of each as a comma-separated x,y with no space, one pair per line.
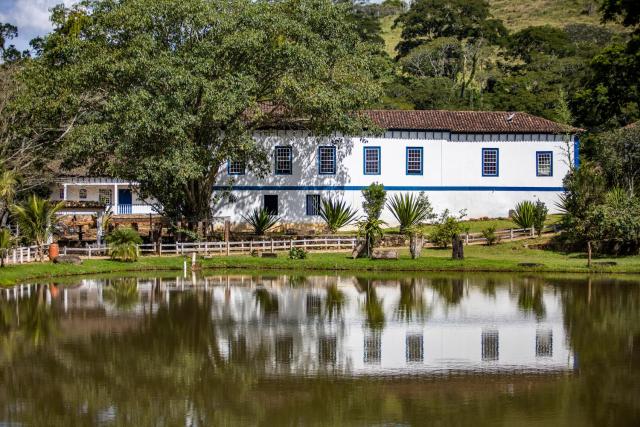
525,214
337,214
123,244
297,253
261,220
410,210
446,227
540,216
489,233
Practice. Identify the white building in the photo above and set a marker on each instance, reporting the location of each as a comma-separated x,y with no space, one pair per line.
482,162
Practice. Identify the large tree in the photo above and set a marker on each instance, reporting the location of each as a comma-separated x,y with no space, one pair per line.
164,92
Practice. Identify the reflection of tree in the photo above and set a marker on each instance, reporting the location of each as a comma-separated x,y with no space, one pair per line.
122,293
373,305
530,300
334,302
411,302
450,290
267,301
489,287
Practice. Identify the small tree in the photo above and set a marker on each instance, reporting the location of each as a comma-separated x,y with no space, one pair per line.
375,197
446,228
540,216
37,218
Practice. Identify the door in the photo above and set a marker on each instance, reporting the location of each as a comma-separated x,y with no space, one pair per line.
125,201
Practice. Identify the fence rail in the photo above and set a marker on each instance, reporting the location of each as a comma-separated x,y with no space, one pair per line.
28,254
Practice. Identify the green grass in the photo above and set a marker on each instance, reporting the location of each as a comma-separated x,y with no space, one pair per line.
504,257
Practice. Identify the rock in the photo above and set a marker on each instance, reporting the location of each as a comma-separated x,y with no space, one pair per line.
269,255
67,259
358,251
384,254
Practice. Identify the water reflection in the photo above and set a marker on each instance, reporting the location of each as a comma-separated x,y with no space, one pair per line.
236,349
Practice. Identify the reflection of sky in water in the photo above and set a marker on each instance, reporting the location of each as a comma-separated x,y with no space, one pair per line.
348,326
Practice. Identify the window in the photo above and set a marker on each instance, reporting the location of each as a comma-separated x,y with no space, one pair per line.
313,204
327,160
414,160
372,160
489,162
544,163
61,193
82,193
270,202
104,196
284,162
235,167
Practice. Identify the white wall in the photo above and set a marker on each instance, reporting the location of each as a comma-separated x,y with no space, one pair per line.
452,173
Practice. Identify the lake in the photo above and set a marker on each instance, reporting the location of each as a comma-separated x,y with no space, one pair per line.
376,349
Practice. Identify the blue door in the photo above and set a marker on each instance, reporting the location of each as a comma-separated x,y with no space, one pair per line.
125,200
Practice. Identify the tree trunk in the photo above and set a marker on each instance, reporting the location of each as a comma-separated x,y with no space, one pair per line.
415,246
589,254
457,244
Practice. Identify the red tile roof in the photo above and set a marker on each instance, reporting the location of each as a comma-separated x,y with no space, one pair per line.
465,121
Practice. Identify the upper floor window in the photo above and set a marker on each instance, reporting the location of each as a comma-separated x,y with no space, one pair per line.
105,195
544,163
313,204
490,161
372,160
235,167
327,160
82,193
414,160
284,161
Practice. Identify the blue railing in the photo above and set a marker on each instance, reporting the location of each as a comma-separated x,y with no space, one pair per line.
125,209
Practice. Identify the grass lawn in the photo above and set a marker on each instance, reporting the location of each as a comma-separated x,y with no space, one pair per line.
504,257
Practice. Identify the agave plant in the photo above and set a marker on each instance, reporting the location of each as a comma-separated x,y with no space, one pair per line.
6,241
261,220
337,214
37,218
410,210
525,214
123,244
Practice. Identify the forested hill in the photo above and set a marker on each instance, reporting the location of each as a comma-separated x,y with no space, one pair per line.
574,61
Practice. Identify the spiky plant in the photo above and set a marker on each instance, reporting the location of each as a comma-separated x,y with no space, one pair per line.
410,210
337,214
6,241
37,218
525,214
123,244
261,220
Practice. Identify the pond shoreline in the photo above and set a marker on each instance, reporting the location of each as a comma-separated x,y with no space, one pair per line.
496,259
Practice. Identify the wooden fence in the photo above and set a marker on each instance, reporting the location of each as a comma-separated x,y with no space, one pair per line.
23,255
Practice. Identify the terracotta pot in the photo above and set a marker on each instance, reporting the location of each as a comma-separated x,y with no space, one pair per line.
54,251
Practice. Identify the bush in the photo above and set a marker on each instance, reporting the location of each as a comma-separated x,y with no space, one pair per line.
540,216
297,253
525,214
447,227
261,220
336,214
489,233
123,244
375,197
410,210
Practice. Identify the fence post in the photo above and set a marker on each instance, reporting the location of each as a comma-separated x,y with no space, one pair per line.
291,243
15,261
21,256
272,244
466,239
29,254
511,234
251,246
89,251
533,231
304,244
228,247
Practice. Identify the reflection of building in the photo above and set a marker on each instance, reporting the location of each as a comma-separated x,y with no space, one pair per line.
372,348
490,345
544,343
414,348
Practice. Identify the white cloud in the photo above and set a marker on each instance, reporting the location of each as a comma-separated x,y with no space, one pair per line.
31,16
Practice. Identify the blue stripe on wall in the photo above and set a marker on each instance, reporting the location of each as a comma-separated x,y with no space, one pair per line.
388,188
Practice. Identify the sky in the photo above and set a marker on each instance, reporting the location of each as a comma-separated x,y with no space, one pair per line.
30,16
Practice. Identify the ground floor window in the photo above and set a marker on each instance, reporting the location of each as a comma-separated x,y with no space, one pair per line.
313,204
82,193
490,345
544,163
105,196
270,203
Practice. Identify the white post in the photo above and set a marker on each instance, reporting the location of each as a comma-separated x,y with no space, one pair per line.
511,234
15,260
115,199
533,230
29,254
89,251
272,244
21,256
64,192
228,248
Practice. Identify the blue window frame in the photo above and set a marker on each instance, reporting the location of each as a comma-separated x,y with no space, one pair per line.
313,204
235,167
283,160
490,162
414,160
327,160
544,163
371,160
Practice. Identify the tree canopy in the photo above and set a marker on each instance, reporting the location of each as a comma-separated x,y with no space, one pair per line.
164,92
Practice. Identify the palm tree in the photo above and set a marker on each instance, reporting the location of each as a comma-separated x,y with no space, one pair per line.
123,244
6,241
337,214
37,218
8,185
410,210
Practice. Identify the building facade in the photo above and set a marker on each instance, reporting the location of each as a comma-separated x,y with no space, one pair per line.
482,163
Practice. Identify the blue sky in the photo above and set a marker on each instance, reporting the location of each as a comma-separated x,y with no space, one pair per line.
30,16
